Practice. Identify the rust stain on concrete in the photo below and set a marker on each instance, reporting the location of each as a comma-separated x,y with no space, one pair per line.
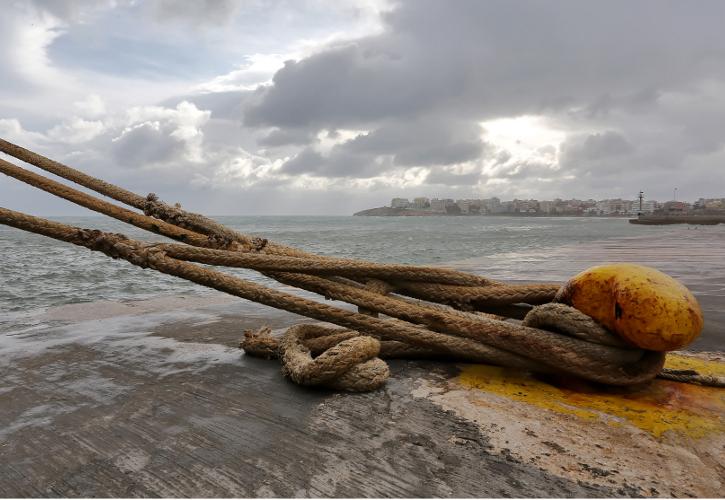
659,407
639,441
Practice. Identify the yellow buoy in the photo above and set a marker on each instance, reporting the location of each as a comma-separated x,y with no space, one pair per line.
644,306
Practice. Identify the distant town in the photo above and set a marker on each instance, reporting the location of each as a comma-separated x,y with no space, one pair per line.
494,206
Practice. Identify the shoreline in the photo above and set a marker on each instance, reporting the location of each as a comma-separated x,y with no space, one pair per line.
409,212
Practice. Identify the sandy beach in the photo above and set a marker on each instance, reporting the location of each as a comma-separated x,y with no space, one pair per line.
154,397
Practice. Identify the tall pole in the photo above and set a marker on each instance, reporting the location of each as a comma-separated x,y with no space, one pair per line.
675,194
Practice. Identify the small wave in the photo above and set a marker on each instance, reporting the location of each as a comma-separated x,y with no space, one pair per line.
40,272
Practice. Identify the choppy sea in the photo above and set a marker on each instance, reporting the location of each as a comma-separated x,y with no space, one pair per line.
39,272
40,276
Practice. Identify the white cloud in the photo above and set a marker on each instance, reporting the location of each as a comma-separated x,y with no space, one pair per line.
76,130
257,69
154,135
12,130
25,35
237,168
523,137
90,107
197,13
328,139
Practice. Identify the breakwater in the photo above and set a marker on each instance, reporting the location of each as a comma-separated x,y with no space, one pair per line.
656,220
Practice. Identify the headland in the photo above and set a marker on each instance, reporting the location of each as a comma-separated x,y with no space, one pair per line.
705,209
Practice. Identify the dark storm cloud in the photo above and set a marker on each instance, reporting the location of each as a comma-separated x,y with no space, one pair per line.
146,144
595,147
631,76
286,137
198,12
445,177
306,161
338,164
423,142
484,59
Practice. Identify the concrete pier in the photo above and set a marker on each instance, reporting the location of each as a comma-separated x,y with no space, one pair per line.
663,220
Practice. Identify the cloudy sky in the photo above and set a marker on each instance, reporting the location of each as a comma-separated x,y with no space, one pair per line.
315,107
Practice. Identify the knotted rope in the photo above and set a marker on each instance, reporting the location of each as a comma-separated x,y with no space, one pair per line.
310,340
459,334
448,323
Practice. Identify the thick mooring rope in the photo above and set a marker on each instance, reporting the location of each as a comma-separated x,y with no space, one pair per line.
471,298
552,337
454,333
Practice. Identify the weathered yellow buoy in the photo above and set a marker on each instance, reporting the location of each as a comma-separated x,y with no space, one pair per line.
644,306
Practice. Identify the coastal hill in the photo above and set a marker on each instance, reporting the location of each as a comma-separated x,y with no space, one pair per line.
389,211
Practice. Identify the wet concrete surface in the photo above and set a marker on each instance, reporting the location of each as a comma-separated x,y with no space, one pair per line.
165,404
139,413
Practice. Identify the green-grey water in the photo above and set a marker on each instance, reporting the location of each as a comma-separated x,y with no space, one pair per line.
39,272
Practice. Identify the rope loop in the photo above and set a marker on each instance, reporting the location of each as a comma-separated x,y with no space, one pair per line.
571,321
349,362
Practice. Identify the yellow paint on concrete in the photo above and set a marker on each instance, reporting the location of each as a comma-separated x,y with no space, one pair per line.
657,407
704,367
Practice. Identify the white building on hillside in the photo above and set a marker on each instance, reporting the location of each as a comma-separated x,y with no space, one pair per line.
464,205
421,203
437,205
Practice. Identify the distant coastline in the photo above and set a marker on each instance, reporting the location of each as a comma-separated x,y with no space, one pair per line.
410,212
613,207
647,211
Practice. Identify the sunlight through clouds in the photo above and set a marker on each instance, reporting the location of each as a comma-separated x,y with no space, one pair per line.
361,101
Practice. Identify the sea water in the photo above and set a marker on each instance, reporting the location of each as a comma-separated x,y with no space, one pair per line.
46,285
39,272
